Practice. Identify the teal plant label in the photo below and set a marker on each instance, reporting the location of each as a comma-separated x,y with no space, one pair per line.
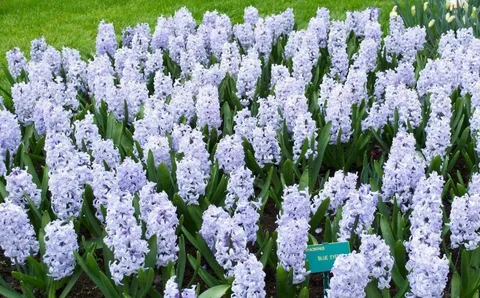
321,257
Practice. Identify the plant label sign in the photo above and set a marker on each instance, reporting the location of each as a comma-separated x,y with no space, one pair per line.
321,257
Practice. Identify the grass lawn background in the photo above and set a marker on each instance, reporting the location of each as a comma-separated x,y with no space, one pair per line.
73,23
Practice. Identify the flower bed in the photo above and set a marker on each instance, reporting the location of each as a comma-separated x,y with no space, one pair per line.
204,160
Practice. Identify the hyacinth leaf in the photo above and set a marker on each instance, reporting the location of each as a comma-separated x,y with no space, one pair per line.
31,281
318,217
327,236
87,210
372,290
215,292
151,169
251,162
304,293
71,282
206,277
288,173
435,164
219,194
400,257
314,169
387,232
27,292
265,252
456,286
209,257
465,270
303,183
94,275
8,293
182,260
151,257
38,269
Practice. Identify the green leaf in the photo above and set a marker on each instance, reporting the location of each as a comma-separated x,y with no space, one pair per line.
400,257
372,290
323,140
151,257
318,217
456,287
9,293
31,281
206,277
304,293
266,252
387,232
215,292
288,173
71,282
303,184
182,260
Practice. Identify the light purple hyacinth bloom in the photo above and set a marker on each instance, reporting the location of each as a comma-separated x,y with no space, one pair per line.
20,186
291,244
124,237
160,148
428,272
60,243
248,75
16,62
360,207
103,183
104,151
427,215
247,215
208,108
402,171
210,219
350,276
337,48
295,204
337,188
378,259
10,133
172,291
239,187
245,124
17,237
161,220
230,246
86,132
131,176
249,279
191,180
230,154
106,42
465,222
305,129
265,146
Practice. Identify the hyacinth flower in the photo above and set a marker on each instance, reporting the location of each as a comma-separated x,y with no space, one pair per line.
402,171
291,244
350,276
124,237
337,188
172,291
17,237
159,215
21,188
60,243
249,279
360,207
378,259
230,154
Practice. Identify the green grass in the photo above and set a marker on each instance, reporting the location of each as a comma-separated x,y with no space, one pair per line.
74,23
